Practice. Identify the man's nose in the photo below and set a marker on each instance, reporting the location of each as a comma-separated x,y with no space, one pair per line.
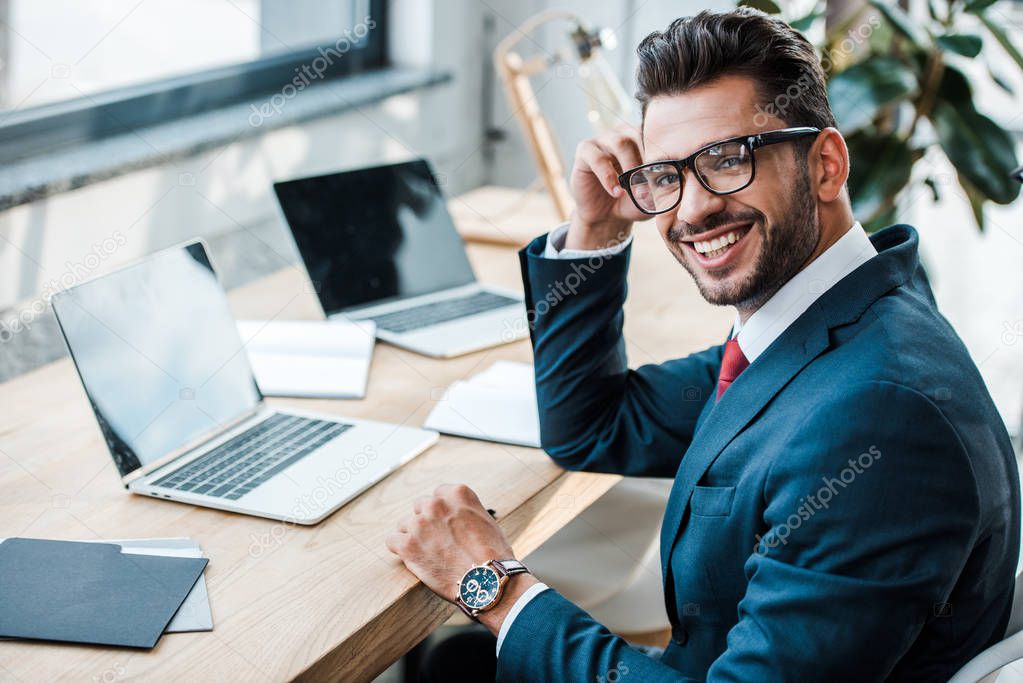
698,203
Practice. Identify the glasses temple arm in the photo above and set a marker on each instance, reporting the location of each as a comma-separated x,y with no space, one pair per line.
774,136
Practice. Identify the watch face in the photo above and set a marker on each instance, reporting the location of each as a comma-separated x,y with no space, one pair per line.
479,587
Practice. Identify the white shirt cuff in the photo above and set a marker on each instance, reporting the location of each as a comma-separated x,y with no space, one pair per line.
555,248
519,605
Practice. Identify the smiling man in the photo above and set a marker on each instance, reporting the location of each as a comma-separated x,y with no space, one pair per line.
846,502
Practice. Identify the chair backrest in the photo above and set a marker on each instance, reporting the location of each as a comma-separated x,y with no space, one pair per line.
1016,617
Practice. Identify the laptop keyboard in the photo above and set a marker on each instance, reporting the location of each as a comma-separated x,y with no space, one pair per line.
441,311
239,465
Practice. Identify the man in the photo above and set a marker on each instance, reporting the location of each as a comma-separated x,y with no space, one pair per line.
846,500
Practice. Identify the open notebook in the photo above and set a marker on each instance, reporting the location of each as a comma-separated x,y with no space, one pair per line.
315,359
498,404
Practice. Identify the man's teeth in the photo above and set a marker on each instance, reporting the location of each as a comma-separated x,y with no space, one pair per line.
718,245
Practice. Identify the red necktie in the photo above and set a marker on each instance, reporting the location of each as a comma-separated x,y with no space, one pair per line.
732,364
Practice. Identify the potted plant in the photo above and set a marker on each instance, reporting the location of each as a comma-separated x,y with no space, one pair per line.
897,90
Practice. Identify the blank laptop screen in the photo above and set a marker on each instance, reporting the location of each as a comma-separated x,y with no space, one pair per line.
159,354
374,234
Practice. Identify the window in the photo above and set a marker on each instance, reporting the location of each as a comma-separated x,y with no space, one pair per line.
72,72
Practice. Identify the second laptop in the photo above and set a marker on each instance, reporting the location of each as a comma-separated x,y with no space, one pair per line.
379,244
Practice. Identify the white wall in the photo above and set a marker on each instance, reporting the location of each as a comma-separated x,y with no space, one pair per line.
978,282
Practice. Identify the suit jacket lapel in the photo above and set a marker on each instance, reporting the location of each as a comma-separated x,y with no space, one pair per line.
896,264
745,398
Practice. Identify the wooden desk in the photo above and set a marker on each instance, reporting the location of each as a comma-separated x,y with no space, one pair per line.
328,601
504,216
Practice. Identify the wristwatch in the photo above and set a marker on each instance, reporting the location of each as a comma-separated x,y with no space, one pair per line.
481,587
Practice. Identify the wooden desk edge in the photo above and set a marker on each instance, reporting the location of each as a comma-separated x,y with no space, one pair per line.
360,658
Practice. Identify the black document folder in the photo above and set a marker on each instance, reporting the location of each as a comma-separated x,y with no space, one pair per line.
90,592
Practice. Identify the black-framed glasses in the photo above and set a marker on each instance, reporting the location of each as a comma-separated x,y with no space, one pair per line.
722,167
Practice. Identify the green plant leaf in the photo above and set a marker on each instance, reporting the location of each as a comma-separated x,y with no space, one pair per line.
980,150
975,198
965,44
901,22
1002,38
881,38
803,24
880,168
975,6
882,220
768,6
999,79
955,87
858,92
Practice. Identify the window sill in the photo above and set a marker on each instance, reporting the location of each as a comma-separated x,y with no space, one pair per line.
28,180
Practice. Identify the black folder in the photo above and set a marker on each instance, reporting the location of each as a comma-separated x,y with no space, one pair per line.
90,592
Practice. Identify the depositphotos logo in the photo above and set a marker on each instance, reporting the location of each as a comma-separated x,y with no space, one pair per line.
306,74
820,500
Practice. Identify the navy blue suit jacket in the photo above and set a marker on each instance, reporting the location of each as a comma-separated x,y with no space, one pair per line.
849,509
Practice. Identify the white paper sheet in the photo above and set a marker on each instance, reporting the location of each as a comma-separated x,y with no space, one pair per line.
498,404
194,613
316,359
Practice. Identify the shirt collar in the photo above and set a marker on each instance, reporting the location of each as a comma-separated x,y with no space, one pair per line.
852,250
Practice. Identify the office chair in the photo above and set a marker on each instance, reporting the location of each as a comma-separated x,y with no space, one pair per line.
984,667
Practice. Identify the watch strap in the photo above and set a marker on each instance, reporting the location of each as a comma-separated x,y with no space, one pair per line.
509,567
469,612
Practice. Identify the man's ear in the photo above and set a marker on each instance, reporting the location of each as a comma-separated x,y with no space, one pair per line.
829,164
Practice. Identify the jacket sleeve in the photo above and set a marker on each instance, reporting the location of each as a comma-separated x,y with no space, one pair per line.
870,517
841,585
595,413
554,640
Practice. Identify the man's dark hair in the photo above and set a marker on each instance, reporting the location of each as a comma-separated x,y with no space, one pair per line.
697,50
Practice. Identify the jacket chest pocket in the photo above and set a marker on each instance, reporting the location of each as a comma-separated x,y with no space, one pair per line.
712,501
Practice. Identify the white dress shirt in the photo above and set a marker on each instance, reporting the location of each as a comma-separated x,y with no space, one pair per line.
852,250
556,246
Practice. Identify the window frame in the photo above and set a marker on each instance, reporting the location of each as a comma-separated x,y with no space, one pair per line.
36,131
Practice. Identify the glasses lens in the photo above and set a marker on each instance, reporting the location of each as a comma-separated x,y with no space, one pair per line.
726,167
655,187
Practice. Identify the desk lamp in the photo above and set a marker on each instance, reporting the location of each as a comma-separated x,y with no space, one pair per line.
607,104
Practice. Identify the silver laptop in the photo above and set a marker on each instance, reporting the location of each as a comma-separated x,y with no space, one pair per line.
379,244
168,379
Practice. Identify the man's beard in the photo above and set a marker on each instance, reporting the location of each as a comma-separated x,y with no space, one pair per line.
785,248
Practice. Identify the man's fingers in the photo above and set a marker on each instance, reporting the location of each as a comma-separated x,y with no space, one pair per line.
625,148
403,541
459,493
411,524
600,162
395,543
